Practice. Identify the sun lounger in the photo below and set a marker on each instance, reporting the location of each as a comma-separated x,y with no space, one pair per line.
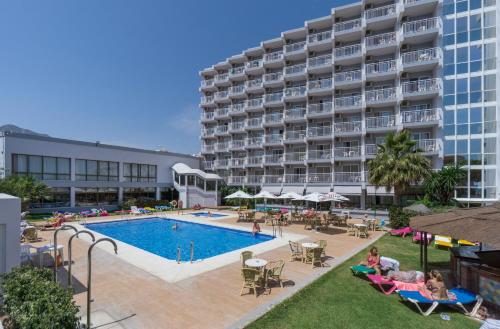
402,231
389,286
418,236
361,269
443,241
466,243
463,297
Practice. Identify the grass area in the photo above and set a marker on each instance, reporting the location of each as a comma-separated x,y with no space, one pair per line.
340,300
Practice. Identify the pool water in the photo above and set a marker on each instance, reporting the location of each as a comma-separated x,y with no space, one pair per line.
157,235
205,214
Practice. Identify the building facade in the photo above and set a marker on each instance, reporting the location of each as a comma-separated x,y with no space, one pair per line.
305,111
87,175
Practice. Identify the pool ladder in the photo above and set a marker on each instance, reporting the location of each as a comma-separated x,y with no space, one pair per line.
191,253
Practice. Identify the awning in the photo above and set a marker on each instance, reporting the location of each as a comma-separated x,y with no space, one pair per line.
275,189
350,190
296,189
319,189
370,189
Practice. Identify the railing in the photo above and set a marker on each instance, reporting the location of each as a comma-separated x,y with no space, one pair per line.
347,127
237,179
347,152
207,116
255,160
235,126
295,91
274,97
411,2
380,12
221,94
381,67
295,69
252,179
275,76
319,37
238,108
254,141
237,70
297,46
319,155
385,121
208,165
238,162
273,118
222,77
347,26
255,83
222,146
347,51
381,95
222,163
207,99
348,101
222,129
419,116
325,131
276,56
421,25
371,149
207,83
208,132
319,108
348,76
274,158
295,113
208,148
237,143
274,139
421,86
319,178
347,177
427,145
295,135
254,122
295,156
237,89
222,112
420,56
295,178
254,102
273,179
319,61
386,39
320,84
254,64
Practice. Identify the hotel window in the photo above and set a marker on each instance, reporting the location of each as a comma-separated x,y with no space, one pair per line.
489,56
139,193
135,172
490,88
489,114
462,30
489,145
489,24
94,170
56,197
96,196
475,27
41,167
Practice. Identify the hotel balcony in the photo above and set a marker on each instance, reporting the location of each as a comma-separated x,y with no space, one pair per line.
255,67
295,115
347,177
428,146
319,110
208,149
238,144
347,27
272,59
319,156
273,79
236,180
348,103
275,139
237,73
381,97
421,60
419,7
295,49
237,91
348,79
295,93
319,133
208,85
295,136
319,41
348,54
254,85
221,96
420,118
207,116
381,17
207,101
208,165
347,153
421,31
319,87
254,123
222,130
274,98
222,79
295,179
222,113
319,64
222,147
295,72
371,150
254,161
421,89
236,109
254,179
254,104
385,43
273,159
349,128
254,142
381,70
236,127
221,163
295,157
273,179
273,119
208,133
238,162
319,178
381,123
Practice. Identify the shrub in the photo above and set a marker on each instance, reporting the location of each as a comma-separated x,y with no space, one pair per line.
32,300
399,217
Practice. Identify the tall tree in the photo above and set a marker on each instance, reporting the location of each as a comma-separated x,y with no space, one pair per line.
440,185
398,164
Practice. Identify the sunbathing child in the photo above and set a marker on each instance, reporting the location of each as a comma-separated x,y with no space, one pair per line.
256,227
373,260
434,287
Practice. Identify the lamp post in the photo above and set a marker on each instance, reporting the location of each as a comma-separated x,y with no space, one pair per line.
62,228
70,279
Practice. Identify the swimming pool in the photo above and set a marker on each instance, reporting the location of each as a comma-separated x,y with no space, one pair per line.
205,214
156,235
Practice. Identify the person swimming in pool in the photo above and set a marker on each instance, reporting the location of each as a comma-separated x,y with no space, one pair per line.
174,227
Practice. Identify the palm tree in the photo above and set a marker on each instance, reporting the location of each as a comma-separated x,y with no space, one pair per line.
440,185
398,164
27,188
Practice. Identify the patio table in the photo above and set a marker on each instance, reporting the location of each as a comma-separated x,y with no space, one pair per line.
310,245
256,262
357,226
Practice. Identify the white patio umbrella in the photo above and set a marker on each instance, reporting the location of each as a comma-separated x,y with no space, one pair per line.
334,196
239,195
314,197
264,195
289,195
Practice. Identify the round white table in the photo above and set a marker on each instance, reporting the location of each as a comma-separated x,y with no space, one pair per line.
308,245
256,262
360,225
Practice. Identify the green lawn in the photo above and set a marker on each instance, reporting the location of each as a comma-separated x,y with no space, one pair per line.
340,300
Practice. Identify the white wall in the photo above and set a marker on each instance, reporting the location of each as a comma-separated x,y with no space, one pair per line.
10,216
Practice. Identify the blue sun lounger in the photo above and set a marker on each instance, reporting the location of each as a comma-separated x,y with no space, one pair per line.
464,297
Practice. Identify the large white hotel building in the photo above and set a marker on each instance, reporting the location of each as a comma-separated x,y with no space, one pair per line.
305,111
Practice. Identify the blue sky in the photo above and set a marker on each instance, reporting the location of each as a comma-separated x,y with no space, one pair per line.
126,72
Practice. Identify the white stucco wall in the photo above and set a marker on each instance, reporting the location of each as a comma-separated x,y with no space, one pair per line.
10,217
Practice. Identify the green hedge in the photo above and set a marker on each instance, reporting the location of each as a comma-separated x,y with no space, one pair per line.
33,301
399,217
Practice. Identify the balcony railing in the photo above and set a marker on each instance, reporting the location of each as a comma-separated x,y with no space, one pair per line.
295,156
419,116
254,102
255,160
385,121
254,64
427,145
295,178
238,143
238,162
347,177
380,12
222,77
273,179
255,141
254,179
237,70
207,99
348,127
255,83
319,61
319,155
421,56
386,39
411,2
295,135
325,131
421,86
371,149
208,148
222,112
320,84
207,83
237,107
272,77
295,113
421,25
207,116
295,91
254,122
276,56
237,179
274,139
222,129
319,178
221,94
348,101
319,37
320,108
297,46
222,163
348,76
348,26
237,89
381,67
222,146
208,165
209,132
347,51
295,69
237,126
274,97
273,158
381,95
273,118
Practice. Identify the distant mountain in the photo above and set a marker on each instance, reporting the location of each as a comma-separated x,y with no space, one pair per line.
19,130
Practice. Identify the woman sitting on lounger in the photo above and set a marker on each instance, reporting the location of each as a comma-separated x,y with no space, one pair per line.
434,287
373,260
